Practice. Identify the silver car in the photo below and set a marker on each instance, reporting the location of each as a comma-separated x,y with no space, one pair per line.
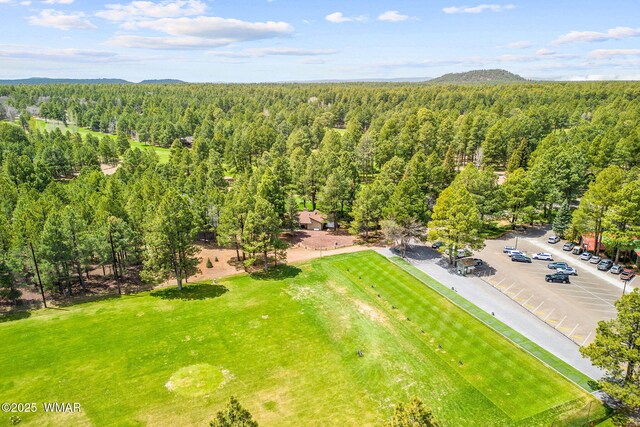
570,271
586,256
616,269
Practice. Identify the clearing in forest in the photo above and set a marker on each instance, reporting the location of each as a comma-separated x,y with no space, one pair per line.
286,345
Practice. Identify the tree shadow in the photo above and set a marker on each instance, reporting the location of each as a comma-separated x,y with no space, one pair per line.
280,272
16,315
191,292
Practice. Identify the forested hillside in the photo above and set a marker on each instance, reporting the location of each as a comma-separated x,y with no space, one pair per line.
369,155
480,76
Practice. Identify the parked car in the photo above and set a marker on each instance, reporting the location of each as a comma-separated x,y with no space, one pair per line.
515,252
557,265
595,260
461,253
569,271
627,274
586,256
557,278
605,264
478,261
508,249
436,245
577,250
520,258
616,269
543,256
568,246
553,239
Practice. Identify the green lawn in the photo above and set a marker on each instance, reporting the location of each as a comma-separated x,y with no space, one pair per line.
286,346
163,153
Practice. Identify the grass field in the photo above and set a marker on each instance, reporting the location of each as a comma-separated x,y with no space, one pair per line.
163,153
285,345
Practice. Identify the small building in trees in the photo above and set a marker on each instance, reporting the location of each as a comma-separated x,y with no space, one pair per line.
311,220
588,243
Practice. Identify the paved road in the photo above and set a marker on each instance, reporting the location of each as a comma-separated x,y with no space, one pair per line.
506,310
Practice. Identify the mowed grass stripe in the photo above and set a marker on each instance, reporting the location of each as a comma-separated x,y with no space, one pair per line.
508,376
551,360
284,344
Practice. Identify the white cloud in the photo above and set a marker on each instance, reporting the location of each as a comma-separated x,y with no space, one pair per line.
37,53
272,51
144,42
545,52
149,10
338,18
215,28
61,20
599,77
616,33
609,53
392,16
57,1
478,9
522,44
25,3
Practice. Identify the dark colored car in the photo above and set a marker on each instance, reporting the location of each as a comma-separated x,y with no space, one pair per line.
436,245
557,278
627,274
605,265
568,246
556,265
520,258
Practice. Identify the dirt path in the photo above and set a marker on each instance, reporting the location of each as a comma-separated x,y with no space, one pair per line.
222,267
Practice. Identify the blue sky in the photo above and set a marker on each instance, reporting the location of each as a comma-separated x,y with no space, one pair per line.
285,40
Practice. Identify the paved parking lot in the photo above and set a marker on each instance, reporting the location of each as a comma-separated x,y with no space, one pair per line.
573,309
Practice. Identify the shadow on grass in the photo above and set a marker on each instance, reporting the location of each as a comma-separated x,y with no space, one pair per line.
280,272
17,315
85,299
191,292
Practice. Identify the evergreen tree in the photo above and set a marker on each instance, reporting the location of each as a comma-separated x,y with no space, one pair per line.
234,415
170,248
616,350
562,221
412,414
456,221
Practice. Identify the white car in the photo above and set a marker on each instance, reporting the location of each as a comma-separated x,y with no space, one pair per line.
514,252
570,271
586,256
543,256
553,239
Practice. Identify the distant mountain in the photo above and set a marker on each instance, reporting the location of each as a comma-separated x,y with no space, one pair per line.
370,80
161,82
48,81
480,76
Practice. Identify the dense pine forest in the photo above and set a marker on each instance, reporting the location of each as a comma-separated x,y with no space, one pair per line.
245,159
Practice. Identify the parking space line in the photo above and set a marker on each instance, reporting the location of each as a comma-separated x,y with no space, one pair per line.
503,279
574,329
538,307
552,310
519,292
558,325
587,338
506,290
